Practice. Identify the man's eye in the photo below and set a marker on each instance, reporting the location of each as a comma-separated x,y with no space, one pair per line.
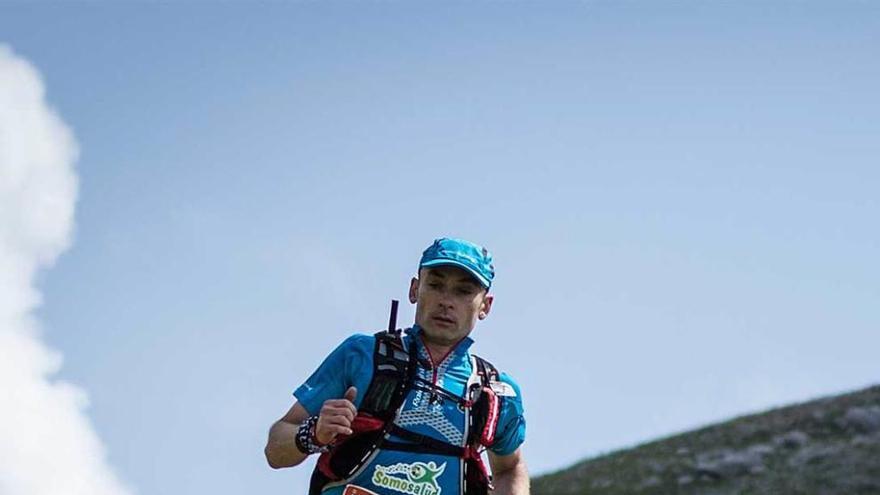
434,285
465,291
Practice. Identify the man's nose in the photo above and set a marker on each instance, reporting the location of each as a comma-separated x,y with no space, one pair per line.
445,299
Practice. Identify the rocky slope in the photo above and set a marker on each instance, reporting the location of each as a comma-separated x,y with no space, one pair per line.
828,446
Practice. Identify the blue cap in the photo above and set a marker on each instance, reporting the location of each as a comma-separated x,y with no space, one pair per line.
474,259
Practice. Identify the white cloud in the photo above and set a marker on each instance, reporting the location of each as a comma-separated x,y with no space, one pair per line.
47,443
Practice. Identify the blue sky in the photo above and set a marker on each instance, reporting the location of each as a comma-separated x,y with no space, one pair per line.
681,199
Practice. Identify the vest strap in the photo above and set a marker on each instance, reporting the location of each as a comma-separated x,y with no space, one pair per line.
421,444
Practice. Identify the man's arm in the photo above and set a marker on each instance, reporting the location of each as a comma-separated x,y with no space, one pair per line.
509,473
334,419
281,450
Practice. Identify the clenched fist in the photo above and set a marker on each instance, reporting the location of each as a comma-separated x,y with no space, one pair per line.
335,417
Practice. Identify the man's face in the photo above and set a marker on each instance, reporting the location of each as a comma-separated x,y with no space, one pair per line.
449,301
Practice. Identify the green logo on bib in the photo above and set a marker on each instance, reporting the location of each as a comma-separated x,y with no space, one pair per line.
418,478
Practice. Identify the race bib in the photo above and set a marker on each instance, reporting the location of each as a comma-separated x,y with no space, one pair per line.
356,490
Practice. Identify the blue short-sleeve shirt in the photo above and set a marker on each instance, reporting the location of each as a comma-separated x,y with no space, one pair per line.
394,472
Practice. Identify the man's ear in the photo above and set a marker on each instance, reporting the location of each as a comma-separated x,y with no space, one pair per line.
486,306
414,290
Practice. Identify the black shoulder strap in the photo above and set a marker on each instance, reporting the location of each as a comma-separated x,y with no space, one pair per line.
487,371
482,402
393,368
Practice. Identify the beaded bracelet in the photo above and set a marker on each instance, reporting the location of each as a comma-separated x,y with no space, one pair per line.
306,439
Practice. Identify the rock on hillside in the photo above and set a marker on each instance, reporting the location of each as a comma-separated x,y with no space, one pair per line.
828,446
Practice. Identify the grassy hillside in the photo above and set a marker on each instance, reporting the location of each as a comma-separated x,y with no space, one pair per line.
828,446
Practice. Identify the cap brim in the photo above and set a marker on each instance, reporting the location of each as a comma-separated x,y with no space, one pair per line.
447,262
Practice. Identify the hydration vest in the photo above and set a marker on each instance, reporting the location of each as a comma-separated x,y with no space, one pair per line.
394,375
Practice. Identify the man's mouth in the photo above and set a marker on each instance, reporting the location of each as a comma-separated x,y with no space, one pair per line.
443,320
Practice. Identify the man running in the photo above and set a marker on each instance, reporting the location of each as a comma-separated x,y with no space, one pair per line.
411,412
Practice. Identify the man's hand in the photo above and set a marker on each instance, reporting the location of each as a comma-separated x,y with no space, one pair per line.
335,417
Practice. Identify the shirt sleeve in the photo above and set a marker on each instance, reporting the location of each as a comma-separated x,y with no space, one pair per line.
511,422
351,363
